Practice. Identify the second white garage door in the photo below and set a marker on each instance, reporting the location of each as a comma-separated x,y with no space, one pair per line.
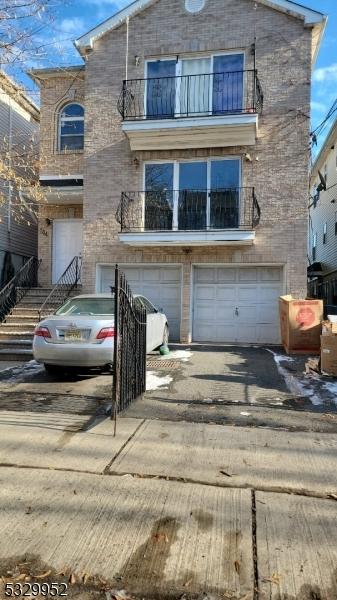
161,285
237,305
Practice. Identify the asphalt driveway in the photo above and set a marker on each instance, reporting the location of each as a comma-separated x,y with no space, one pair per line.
233,385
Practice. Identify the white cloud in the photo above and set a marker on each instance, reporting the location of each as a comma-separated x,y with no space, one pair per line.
73,25
319,106
326,74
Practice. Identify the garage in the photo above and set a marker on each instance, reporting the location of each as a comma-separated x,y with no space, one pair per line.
161,285
237,305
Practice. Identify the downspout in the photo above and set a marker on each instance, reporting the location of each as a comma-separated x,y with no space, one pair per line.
127,47
10,140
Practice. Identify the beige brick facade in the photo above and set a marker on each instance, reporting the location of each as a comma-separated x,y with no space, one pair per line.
280,159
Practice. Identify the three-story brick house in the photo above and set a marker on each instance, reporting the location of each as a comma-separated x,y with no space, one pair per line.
180,149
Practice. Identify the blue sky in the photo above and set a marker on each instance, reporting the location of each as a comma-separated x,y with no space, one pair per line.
74,17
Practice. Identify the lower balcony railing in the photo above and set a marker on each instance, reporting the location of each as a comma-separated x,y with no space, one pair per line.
188,210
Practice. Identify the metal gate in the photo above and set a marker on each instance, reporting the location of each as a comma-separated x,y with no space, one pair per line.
129,361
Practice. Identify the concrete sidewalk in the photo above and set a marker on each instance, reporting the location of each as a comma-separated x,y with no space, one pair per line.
170,510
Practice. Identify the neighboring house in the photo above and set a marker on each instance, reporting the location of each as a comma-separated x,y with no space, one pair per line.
322,250
193,173
19,135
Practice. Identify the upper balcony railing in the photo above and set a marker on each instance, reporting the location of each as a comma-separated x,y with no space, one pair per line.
188,210
209,94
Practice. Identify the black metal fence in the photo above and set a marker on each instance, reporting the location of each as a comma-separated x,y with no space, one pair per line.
326,291
18,286
64,286
188,210
129,361
206,94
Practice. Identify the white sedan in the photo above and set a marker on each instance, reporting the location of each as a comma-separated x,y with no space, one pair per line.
81,332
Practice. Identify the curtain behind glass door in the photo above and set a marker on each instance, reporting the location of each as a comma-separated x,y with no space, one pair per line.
195,87
161,89
228,83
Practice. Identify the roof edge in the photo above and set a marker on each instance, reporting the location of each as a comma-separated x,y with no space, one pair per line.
14,90
40,74
85,42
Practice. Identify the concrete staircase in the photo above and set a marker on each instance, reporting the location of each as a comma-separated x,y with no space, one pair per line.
16,333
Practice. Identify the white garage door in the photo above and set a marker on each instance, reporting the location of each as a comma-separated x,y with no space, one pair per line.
237,304
161,285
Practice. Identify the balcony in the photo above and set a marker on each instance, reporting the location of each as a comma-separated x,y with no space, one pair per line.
191,111
188,217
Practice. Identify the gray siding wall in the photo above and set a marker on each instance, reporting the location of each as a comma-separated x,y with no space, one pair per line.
16,235
326,212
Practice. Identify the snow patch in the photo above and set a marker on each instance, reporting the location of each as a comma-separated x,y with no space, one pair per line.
154,381
332,388
245,414
183,355
16,374
295,385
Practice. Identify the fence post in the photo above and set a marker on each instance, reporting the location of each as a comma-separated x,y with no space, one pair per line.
115,383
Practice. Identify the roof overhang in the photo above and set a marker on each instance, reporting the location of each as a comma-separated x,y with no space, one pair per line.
15,91
330,140
311,18
38,75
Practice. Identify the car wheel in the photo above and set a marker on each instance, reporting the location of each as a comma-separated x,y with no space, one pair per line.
165,336
53,369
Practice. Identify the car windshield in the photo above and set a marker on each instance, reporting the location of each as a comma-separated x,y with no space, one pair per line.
87,306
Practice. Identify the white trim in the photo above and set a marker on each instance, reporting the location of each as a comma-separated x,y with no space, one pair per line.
226,237
47,177
86,41
186,122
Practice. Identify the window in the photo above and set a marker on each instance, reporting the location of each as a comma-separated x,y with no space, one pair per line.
71,127
150,309
194,6
336,223
212,85
193,195
325,233
314,246
326,172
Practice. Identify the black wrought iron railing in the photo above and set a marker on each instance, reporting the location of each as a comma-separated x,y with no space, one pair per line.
188,210
18,286
208,94
63,288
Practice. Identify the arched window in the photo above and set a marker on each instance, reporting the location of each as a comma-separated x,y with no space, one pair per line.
71,127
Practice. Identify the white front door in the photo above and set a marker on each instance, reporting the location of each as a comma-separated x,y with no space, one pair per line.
67,243
237,305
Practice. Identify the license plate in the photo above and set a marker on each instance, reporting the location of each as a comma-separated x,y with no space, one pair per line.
73,335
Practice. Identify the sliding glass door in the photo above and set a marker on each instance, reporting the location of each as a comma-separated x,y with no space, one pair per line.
192,195
161,89
190,87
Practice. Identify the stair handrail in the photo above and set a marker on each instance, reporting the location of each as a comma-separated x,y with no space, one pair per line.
64,285
18,286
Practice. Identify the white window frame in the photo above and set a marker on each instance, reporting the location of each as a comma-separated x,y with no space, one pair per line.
69,119
176,172
178,72
325,233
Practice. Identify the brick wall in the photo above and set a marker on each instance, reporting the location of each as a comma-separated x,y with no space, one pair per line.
55,93
280,165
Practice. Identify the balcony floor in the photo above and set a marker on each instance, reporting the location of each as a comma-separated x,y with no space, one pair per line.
228,237
192,132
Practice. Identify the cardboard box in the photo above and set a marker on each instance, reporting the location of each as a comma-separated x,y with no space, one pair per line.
329,354
301,325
